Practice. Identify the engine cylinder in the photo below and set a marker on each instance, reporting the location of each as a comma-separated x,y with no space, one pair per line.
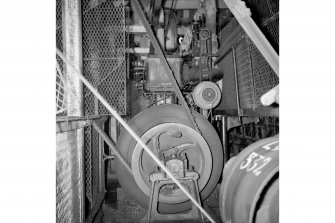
250,189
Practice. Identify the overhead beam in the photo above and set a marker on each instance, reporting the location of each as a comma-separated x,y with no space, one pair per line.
189,4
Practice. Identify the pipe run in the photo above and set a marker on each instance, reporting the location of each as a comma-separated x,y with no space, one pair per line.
133,134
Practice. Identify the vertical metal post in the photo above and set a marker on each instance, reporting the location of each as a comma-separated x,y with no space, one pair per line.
225,139
72,48
96,105
73,52
236,83
113,131
101,164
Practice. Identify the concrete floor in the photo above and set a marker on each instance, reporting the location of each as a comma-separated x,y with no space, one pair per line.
119,208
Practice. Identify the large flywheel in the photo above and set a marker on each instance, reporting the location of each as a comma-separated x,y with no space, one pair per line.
167,131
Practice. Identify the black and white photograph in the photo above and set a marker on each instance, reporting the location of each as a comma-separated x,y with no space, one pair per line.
168,111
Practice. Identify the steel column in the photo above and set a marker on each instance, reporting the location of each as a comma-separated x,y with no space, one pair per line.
72,48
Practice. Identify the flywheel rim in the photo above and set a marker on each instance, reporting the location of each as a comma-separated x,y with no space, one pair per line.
145,120
204,169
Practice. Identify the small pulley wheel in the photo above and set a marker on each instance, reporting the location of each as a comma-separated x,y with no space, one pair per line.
206,95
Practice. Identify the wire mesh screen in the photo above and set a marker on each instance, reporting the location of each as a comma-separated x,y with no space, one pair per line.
264,76
104,43
266,15
68,178
60,91
88,162
60,80
105,67
244,71
80,173
138,101
254,75
79,177
271,30
59,24
93,165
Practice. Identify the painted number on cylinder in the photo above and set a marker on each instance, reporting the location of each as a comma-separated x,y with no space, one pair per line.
254,163
274,146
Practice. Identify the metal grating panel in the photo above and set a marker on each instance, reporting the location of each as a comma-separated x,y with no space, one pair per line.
59,24
245,75
271,31
230,33
88,162
92,169
138,101
61,104
254,75
77,166
104,66
60,80
266,15
104,43
95,165
264,76
274,6
262,9
225,33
